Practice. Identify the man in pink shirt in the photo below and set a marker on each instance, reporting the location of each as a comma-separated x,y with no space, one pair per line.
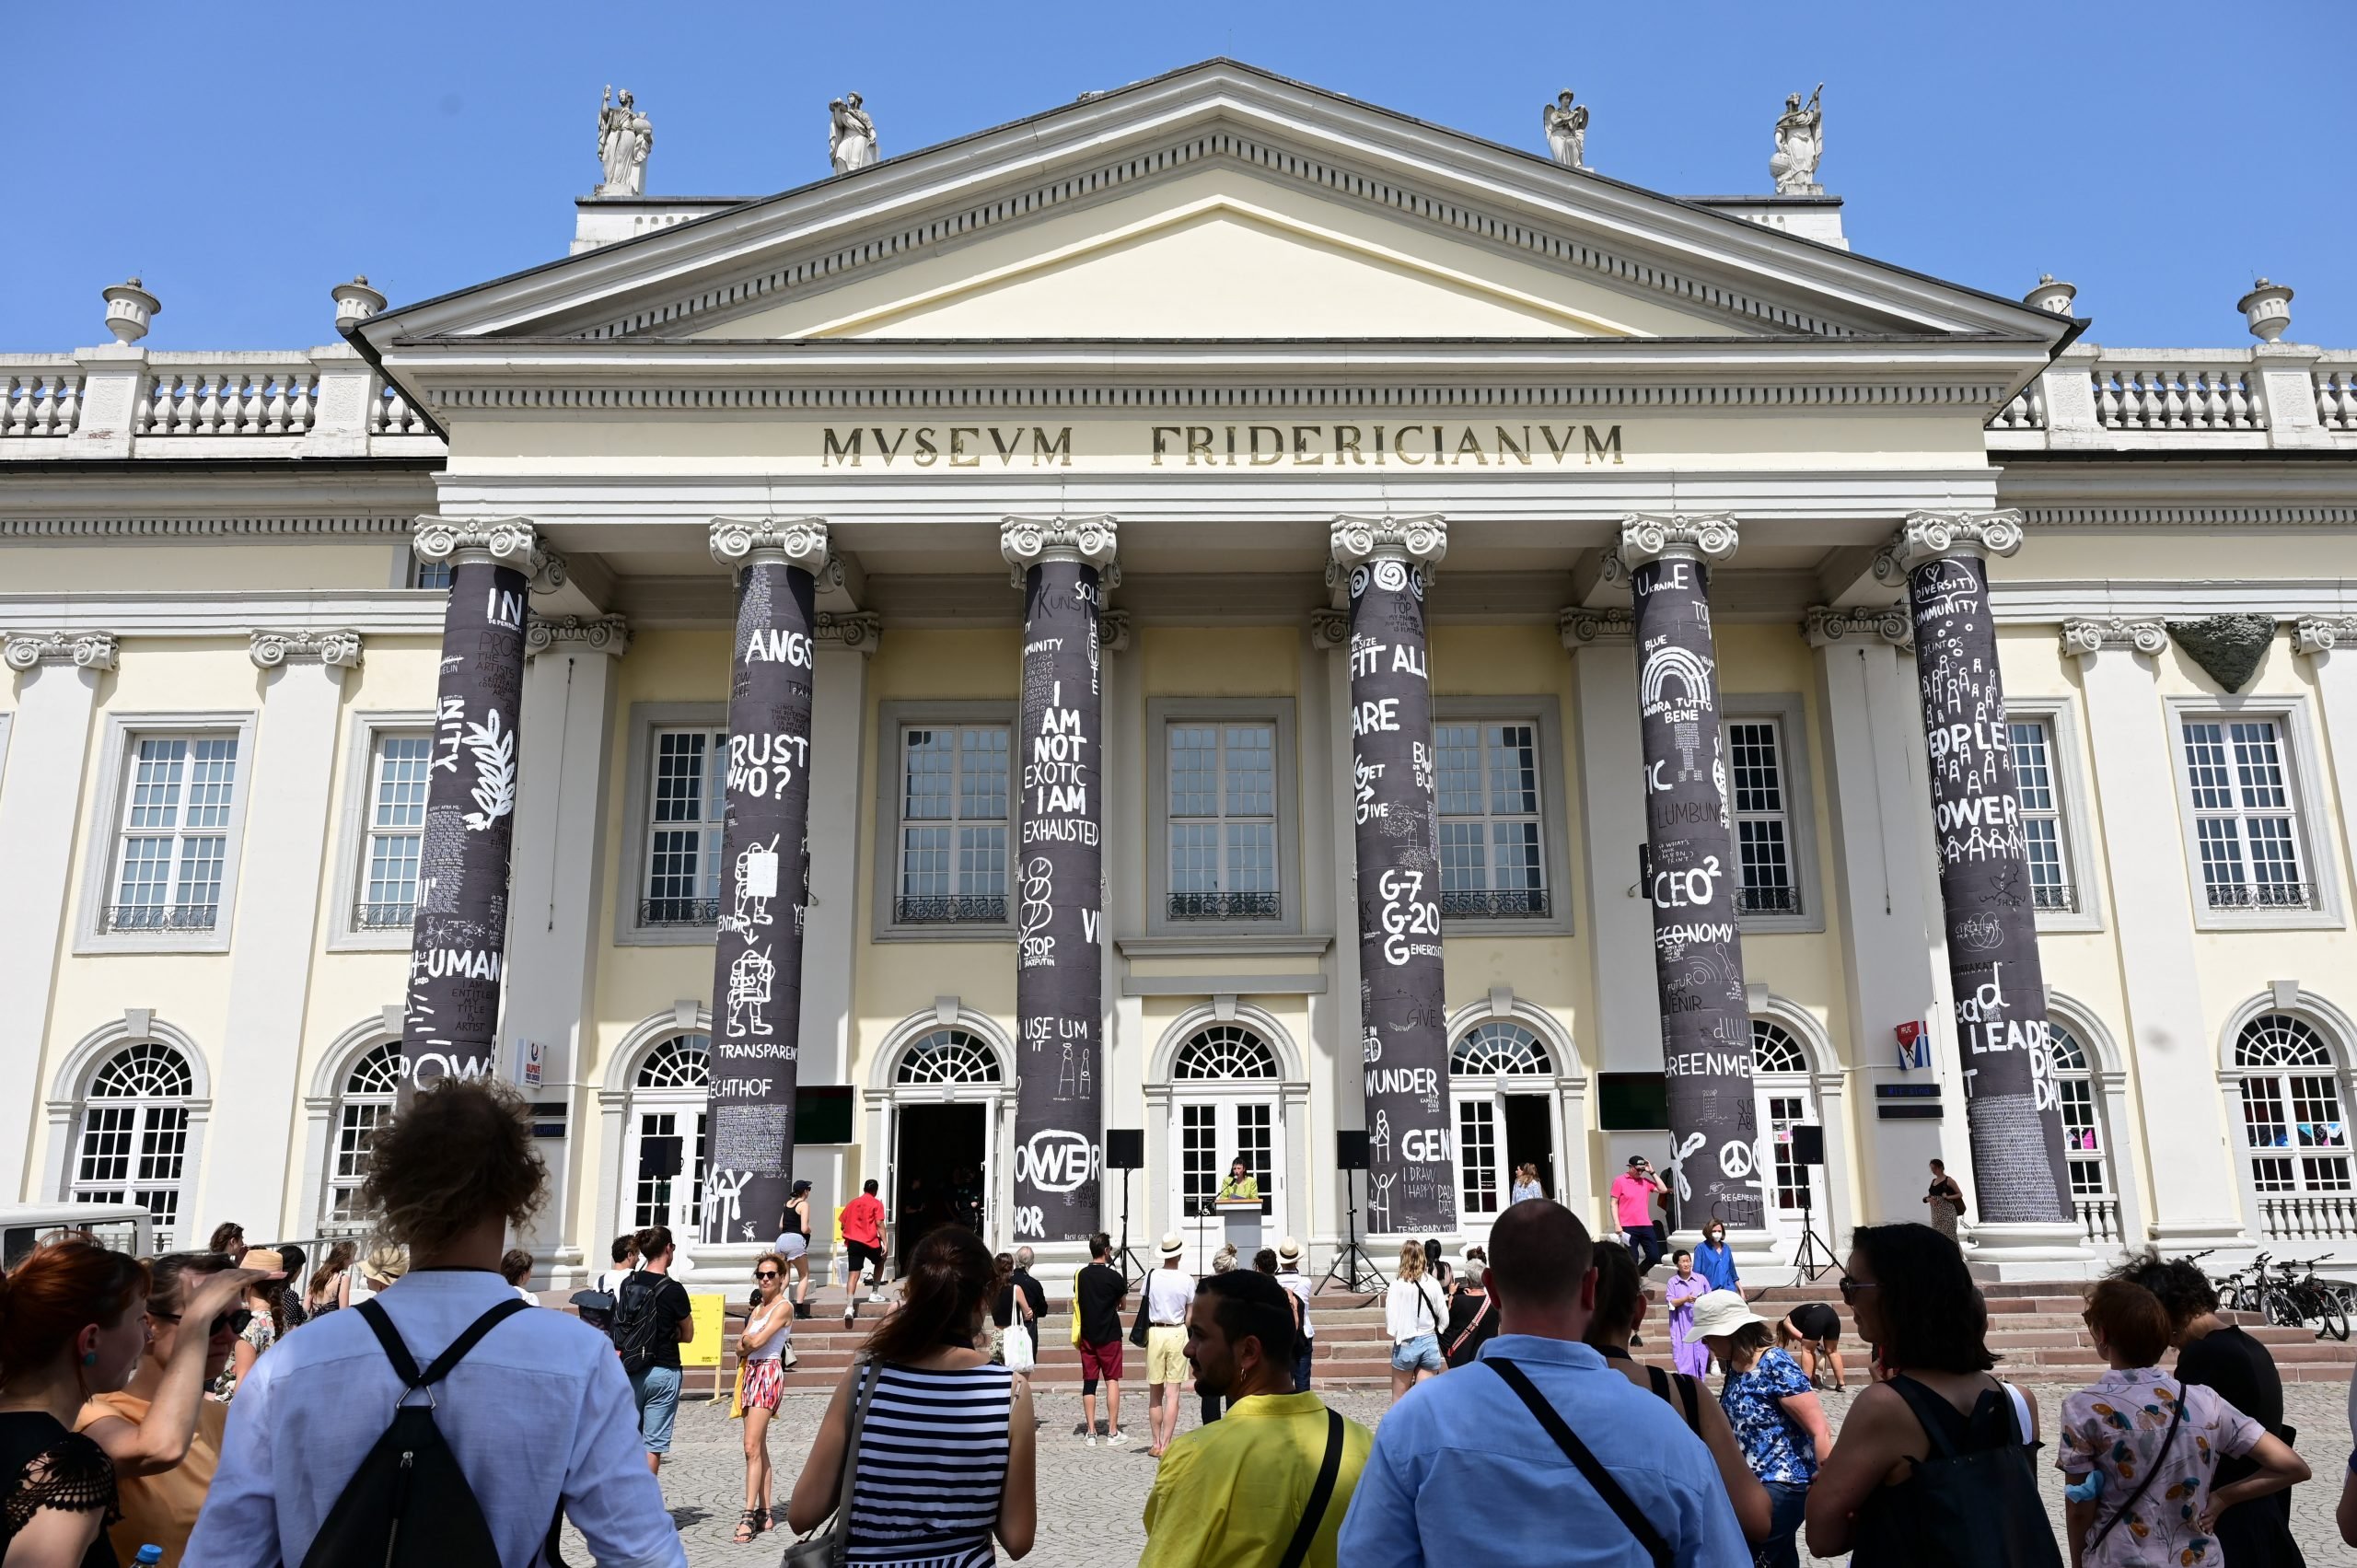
863,1223
1633,1206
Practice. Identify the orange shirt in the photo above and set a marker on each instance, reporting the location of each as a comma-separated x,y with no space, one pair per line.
161,1509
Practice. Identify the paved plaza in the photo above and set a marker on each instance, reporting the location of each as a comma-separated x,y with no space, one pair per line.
1090,1499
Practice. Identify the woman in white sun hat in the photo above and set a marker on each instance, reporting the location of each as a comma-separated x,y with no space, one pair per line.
1773,1407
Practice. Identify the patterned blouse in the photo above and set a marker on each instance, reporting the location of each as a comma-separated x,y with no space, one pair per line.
1774,1445
2118,1427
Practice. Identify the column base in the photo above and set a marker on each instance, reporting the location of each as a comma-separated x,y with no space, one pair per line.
702,1266
2178,1237
2031,1252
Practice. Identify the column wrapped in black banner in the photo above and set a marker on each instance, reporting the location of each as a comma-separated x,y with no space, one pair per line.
1056,869
458,943
1412,1167
1693,875
764,877
2013,1111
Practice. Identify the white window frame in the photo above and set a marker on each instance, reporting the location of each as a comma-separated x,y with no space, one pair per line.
2316,841
894,720
955,822
1789,712
2328,1027
1277,711
333,1181
1545,711
345,934
103,857
183,1185
2060,715
647,719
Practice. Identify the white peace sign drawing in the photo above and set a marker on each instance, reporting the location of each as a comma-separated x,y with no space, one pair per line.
1735,1158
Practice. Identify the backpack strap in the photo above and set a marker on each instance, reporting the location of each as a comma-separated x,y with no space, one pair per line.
1313,1513
1922,1402
1586,1463
1687,1396
405,1365
2150,1471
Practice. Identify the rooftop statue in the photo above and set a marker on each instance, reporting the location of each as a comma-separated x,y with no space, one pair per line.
1566,130
1799,142
851,136
624,138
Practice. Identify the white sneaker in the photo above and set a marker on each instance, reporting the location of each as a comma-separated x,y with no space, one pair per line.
876,1295
1092,1440
1114,1440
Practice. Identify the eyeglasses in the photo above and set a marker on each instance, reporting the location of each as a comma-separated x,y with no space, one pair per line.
767,1274
232,1321
1850,1287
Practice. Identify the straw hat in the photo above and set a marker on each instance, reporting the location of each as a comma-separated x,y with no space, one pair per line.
1719,1312
264,1258
1171,1245
1288,1250
384,1264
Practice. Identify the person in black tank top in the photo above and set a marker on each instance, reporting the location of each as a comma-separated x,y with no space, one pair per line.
794,1244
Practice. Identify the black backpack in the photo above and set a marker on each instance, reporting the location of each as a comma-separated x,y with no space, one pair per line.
1959,1508
636,1326
409,1506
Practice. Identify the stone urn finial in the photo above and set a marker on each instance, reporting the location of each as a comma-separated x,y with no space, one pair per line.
2268,308
130,308
354,302
2050,295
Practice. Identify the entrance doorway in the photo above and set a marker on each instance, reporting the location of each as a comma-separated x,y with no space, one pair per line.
1783,1099
939,1172
1530,1139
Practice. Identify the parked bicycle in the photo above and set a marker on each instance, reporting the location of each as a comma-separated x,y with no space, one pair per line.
2297,1295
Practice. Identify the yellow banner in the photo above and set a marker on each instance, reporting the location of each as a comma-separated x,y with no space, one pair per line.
705,1349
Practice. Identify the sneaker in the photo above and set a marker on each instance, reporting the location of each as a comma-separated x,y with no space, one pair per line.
876,1296
1092,1440
1115,1440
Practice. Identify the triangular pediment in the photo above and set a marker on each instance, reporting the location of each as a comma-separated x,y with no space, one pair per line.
1214,203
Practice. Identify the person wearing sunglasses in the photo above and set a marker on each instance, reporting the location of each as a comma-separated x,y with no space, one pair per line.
161,1432
769,1333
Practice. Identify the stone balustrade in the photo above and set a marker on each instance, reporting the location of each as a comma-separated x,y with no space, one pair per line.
236,399
38,401
2176,397
2268,395
119,402
2337,399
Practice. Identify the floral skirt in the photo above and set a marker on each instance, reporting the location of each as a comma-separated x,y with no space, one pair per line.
764,1382
1943,1217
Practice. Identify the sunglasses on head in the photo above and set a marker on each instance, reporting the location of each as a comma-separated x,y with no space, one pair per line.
232,1321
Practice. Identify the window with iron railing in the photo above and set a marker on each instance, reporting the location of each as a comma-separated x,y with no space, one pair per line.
687,802
954,819
1763,828
174,842
1222,820
2031,742
397,767
1492,863
2246,821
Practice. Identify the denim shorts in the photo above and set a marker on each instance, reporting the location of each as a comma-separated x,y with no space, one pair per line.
1419,1354
656,1391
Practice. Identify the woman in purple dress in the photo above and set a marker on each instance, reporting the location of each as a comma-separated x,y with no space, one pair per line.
1684,1286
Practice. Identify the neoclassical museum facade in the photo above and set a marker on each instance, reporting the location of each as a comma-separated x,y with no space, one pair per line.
1271,619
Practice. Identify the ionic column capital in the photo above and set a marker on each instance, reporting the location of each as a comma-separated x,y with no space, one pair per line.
1418,540
2087,636
511,543
84,650
1824,626
1113,630
855,630
608,634
2316,634
1026,542
1329,630
1647,536
791,541
335,650
1581,627
1941,536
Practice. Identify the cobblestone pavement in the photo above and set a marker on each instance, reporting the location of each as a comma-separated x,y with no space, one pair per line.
1090,1499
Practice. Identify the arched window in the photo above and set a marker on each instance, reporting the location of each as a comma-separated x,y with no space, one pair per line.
667,1122
2295,1131
361,1106
948,1056
1498,1047
1773,1048
1780,1087
1224,1051
134,1144
2082,1129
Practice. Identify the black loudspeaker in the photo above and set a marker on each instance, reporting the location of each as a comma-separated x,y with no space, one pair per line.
1349,1150
658,1157
1125,1148
1808,1144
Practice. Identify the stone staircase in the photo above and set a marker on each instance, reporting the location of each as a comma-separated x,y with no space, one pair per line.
2033,1328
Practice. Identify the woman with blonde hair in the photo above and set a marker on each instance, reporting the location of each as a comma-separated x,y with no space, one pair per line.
769,1331
1413,1314
384,1264
1525,1183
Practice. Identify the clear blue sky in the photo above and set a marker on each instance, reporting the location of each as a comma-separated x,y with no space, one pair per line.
244,158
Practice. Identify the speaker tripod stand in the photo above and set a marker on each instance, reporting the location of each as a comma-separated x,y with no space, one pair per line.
1133,1266
1813,1256
1352,1267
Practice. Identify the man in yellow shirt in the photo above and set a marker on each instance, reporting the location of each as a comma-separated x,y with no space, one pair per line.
1267,1485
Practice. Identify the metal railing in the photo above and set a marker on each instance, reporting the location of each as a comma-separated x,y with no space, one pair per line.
2054,896
963,909
679,912
1768,900
159,917
1224,906
1495,903
2308,1218
2098,1218
2261,895
383,916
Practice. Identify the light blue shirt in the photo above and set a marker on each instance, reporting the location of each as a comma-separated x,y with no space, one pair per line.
1457,1448
1717,1264
1526,1190
538,1410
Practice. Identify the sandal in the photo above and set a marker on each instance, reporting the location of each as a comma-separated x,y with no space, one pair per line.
748,1524
769,1520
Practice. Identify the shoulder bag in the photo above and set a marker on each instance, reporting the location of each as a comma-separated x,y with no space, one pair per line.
1624,1506
825,1547
1321,1495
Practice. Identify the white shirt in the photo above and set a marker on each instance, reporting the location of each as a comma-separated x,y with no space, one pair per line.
539,1408
769,1349
1403,1319
610,1282
1167,1294
1291,1279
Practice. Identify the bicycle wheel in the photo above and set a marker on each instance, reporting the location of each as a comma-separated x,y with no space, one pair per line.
2336,1317
2282,1309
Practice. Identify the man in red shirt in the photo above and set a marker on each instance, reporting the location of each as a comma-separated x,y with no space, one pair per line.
862,1225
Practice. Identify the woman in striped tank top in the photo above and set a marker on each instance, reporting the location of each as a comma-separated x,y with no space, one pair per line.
945,1456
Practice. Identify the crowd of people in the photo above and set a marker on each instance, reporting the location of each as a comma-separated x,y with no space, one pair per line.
411,1405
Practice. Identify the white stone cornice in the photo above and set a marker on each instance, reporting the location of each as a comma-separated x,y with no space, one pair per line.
796,542
1418,541
2087,636
608,634
1581,627
511,543
1647,536
338,649
1941,536
1329,630
860,631
1025,542
1113,630
2315,635
1823,626
84,650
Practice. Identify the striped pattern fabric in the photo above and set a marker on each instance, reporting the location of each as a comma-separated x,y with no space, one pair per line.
932,1467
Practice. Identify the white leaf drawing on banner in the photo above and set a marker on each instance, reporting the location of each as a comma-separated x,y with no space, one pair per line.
495,754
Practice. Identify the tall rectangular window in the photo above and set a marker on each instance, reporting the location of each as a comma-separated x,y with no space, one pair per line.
689,797
1487,784
1222,848
953,825
398,766
1763,827
2244,819
2032,743
175,837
